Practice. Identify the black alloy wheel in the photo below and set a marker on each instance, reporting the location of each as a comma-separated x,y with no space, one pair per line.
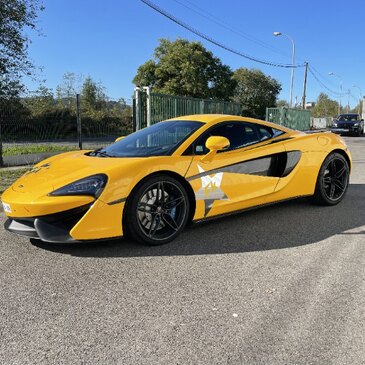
158,211
333,180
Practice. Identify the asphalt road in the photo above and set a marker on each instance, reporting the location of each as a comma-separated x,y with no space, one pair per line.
279,285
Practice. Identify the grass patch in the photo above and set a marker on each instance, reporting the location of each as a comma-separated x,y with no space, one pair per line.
26,150
8,176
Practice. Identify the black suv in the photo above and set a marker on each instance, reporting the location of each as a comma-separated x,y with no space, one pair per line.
348,124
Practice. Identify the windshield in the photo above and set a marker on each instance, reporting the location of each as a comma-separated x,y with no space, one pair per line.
158,140
348,118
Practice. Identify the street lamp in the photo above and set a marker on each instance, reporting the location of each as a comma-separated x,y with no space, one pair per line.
340,78
360,97
277,34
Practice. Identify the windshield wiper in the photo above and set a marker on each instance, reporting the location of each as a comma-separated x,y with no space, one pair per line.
100,153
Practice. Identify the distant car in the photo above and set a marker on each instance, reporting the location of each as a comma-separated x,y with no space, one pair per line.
150,184
348,124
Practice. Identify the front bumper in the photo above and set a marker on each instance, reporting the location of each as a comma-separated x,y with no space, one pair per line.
339,130
50,228
90,222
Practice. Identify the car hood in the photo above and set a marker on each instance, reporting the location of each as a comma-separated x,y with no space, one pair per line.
63,169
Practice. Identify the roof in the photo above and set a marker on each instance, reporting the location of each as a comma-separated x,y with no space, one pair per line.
212,118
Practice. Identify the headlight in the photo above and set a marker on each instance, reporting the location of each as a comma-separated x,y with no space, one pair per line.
356,124
91,185
334,124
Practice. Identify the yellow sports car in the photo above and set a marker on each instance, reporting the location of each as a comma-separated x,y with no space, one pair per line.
150,184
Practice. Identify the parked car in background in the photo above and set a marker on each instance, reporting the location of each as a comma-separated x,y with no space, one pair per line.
350,123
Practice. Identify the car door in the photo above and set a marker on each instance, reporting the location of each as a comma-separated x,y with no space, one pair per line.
238,177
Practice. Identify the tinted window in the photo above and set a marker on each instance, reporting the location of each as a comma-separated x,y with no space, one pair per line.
159,139
268,132
238,134
348,118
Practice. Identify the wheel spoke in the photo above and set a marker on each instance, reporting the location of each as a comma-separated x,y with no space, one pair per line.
170,221
339,185
160,193
154,226
174,203
332,190
340,172
333,167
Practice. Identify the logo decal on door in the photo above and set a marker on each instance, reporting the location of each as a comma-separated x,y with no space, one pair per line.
210,190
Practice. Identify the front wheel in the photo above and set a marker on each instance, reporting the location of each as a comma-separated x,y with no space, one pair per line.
332,181
158,211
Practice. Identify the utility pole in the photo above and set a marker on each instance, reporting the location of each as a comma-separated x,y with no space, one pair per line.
305,85
78,118
348,101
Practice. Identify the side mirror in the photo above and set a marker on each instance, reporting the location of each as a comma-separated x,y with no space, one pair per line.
119,138
362,120
215,144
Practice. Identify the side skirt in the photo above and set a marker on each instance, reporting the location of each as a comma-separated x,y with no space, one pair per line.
207,219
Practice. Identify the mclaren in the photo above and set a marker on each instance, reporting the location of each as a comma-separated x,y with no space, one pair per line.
153,182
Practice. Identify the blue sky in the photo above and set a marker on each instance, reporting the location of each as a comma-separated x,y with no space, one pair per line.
109,39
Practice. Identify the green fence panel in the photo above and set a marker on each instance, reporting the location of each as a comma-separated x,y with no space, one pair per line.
168,106
164,107
298,119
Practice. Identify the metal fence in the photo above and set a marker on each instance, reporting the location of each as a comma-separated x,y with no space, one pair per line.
292,118
151,108
27,140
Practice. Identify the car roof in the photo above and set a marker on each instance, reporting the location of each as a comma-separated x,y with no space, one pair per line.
216,118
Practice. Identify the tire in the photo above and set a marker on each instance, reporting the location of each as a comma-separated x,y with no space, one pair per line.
332,181
157,211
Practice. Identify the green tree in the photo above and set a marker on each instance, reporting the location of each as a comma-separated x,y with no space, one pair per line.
89,93
186,68
67,90
282,104
325,107
255,91
93,95
40,102
16,17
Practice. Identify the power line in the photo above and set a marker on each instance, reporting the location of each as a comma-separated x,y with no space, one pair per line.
213,41
326,79
323,85
209,16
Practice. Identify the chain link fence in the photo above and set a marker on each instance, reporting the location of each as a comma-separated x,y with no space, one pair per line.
27,138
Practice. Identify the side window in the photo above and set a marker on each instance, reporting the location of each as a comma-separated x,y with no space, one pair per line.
268,132
239,135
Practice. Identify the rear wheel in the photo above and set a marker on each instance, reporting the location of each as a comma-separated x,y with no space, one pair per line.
158,211
332,181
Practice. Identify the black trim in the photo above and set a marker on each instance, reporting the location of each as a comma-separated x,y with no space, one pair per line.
122,200
22,227
275,165
50,228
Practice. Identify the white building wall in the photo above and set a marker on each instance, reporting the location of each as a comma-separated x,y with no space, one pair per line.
321,123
